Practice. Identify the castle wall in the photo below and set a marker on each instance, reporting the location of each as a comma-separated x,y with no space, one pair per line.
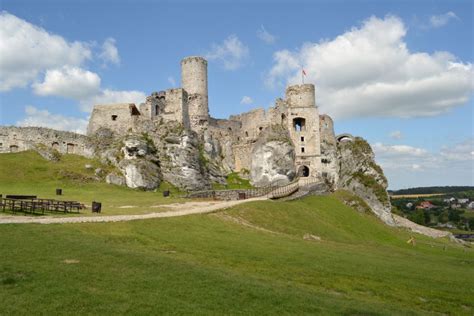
16,139
120,118
176,107
153,106
329,165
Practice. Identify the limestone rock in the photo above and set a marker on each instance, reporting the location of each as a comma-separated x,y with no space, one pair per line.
360,175
272,163
113,178
273,159
140,174
135,147
181,157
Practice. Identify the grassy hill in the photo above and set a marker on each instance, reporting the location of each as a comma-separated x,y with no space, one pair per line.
28,173
251,259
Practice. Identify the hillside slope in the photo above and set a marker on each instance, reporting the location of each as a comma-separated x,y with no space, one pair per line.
250,259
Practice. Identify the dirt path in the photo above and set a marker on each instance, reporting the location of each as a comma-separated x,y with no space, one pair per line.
177,209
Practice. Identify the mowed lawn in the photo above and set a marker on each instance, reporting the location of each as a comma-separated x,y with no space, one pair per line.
248,260
29,174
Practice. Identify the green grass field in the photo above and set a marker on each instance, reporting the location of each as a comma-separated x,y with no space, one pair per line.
28,173
251,259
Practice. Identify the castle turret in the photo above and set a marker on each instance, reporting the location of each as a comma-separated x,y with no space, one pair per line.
300,95
303,124
194,82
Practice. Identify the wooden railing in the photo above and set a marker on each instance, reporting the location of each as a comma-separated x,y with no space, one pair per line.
273,191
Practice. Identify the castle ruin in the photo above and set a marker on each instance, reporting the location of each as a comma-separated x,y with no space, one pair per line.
235,136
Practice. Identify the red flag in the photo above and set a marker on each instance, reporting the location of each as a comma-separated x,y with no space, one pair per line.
304,72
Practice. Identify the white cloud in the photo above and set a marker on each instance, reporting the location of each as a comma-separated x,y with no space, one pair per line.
172,81
369,71
442,19
68,82
26,50
452,165
43,118
463,151
396,135
109,53
398,150
231,53
265,36
112,96
246,100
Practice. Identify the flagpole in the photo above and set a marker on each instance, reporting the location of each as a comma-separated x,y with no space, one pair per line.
302,76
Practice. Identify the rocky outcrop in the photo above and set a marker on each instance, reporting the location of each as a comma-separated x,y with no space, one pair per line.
211,152
360,175
114,178
139,165
273,158
47,153
181,157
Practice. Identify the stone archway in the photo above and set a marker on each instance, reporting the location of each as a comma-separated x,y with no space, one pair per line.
70,148
303,171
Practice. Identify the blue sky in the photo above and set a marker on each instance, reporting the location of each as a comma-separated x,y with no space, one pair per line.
397,73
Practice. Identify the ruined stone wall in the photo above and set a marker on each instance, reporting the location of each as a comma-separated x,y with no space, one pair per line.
176,107
242,156
153,106
15,139
119,118
329,165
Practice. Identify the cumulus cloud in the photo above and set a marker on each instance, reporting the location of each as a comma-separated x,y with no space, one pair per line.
112,96
265,36
442,19
246,100
369,71
407,166
26,50
396,135
109,53
231,53
68,82
43,118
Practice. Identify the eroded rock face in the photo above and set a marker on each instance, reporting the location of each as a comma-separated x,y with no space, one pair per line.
139,166
273,159
140,174
181,158
113,178
360,175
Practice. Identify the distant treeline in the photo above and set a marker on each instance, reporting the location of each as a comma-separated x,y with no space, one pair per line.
432,190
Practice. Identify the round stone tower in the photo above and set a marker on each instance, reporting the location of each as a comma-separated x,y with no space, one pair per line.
194,81
300,95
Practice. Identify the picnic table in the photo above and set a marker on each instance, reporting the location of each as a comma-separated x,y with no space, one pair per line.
31,204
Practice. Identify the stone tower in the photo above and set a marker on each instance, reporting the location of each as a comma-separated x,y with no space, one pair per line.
303,124
194,82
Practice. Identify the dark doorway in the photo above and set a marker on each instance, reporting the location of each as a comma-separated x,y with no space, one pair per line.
303,171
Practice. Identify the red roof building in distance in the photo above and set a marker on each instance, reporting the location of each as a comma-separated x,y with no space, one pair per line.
425,205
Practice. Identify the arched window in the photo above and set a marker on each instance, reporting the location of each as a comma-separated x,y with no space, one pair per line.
13,148
299,124
55,145
283,119
303,171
